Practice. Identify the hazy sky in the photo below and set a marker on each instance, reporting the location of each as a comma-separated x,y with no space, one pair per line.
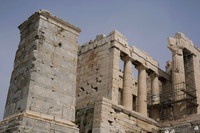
145,23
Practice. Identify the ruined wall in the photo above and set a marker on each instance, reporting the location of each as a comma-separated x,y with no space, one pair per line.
185,72
107,117
112,118
44,77
41,96
98,72
93,72
99,76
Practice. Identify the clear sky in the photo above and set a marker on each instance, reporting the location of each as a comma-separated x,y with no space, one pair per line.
145,23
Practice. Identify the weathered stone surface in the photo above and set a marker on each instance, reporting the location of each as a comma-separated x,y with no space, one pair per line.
142,90
109,117
32,122
44,77
98,71
52,73
84,119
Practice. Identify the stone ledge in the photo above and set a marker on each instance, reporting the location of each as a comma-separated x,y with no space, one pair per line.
135,115
41,117
130,112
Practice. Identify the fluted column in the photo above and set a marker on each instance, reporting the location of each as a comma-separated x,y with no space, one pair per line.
142,90
127,82
155,99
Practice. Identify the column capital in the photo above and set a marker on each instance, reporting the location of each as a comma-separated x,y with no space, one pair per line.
126,58
153,74
175,46
140,67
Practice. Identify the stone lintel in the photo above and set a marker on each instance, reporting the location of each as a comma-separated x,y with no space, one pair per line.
44,14
141,66
144,59
153,74
162,74
143,54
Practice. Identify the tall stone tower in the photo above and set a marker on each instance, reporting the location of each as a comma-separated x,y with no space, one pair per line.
41,96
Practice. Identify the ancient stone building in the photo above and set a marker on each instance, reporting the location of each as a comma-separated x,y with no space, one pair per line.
52,73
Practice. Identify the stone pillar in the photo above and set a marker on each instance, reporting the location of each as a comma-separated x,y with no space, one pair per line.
41,97
142,90
178,76
178,72
196,68
155,96
114,74
127,82
155,90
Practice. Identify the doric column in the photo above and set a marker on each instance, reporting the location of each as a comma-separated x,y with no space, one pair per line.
142,90
155,90
155,98
127,82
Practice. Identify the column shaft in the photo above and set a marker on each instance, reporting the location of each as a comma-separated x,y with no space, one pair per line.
155,90
142,91
127,82
155,99
178,68
178,74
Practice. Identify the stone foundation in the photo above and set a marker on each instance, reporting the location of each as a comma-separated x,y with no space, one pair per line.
32,122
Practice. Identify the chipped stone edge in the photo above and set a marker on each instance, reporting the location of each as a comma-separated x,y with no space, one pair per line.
46,14
132,113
